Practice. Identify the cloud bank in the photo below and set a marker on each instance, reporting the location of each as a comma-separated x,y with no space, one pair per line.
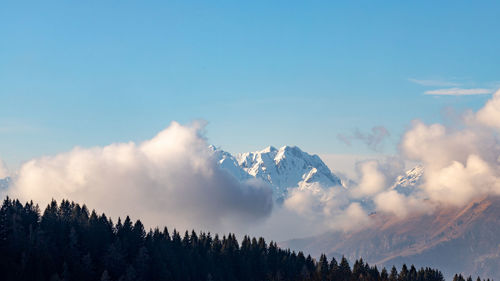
330,208
173,179
461,163
170,179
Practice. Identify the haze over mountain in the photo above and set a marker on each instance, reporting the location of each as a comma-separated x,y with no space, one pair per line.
167,111
456,239
176,168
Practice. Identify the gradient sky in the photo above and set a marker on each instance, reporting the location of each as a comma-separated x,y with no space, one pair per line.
261,73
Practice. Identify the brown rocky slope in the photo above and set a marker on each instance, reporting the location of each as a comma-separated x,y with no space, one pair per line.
452,239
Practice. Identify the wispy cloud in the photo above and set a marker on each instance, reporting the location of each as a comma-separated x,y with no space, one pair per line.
459,92
374,139
433,83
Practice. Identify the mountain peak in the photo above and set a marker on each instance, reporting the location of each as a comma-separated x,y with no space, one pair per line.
268,149
283,168
294,150
405,183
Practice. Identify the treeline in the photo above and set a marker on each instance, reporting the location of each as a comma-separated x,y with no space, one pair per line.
68,243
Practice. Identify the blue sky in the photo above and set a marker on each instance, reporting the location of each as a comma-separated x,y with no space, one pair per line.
260,72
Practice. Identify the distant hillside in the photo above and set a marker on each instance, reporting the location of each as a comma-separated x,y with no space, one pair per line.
454,239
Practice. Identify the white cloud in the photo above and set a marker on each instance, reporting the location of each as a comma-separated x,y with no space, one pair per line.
376,175
489,115
372,180
458,183
461,163
436,145
458,92
400,205
329,207
170,179
353,218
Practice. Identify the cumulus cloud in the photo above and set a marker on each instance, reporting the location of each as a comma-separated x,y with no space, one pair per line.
458,182
391,202
374,139
330,207
458,92
489,115
376,175
461,162
459,165
171,179
436,145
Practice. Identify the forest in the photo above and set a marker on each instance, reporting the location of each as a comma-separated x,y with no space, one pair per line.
69,242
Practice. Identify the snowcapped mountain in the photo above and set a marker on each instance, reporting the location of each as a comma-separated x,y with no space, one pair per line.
229,163
283,168
290,167
406,183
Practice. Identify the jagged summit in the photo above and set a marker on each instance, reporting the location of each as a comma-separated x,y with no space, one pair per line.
283,168
406,183
268,149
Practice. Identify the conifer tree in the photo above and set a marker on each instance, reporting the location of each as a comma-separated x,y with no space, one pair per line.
394,274
70,243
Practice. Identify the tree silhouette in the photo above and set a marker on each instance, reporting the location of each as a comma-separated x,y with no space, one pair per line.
70,243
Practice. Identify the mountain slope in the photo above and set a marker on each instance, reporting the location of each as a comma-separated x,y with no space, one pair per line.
228,162
463,239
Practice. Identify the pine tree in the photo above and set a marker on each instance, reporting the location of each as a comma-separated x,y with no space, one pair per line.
404,274
394,274
384,276
345,273
323,268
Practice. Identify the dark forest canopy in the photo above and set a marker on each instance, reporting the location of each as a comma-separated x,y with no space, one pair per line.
67,242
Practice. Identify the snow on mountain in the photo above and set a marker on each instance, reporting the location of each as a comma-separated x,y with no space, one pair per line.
229,163
406,183
290,167
283,168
